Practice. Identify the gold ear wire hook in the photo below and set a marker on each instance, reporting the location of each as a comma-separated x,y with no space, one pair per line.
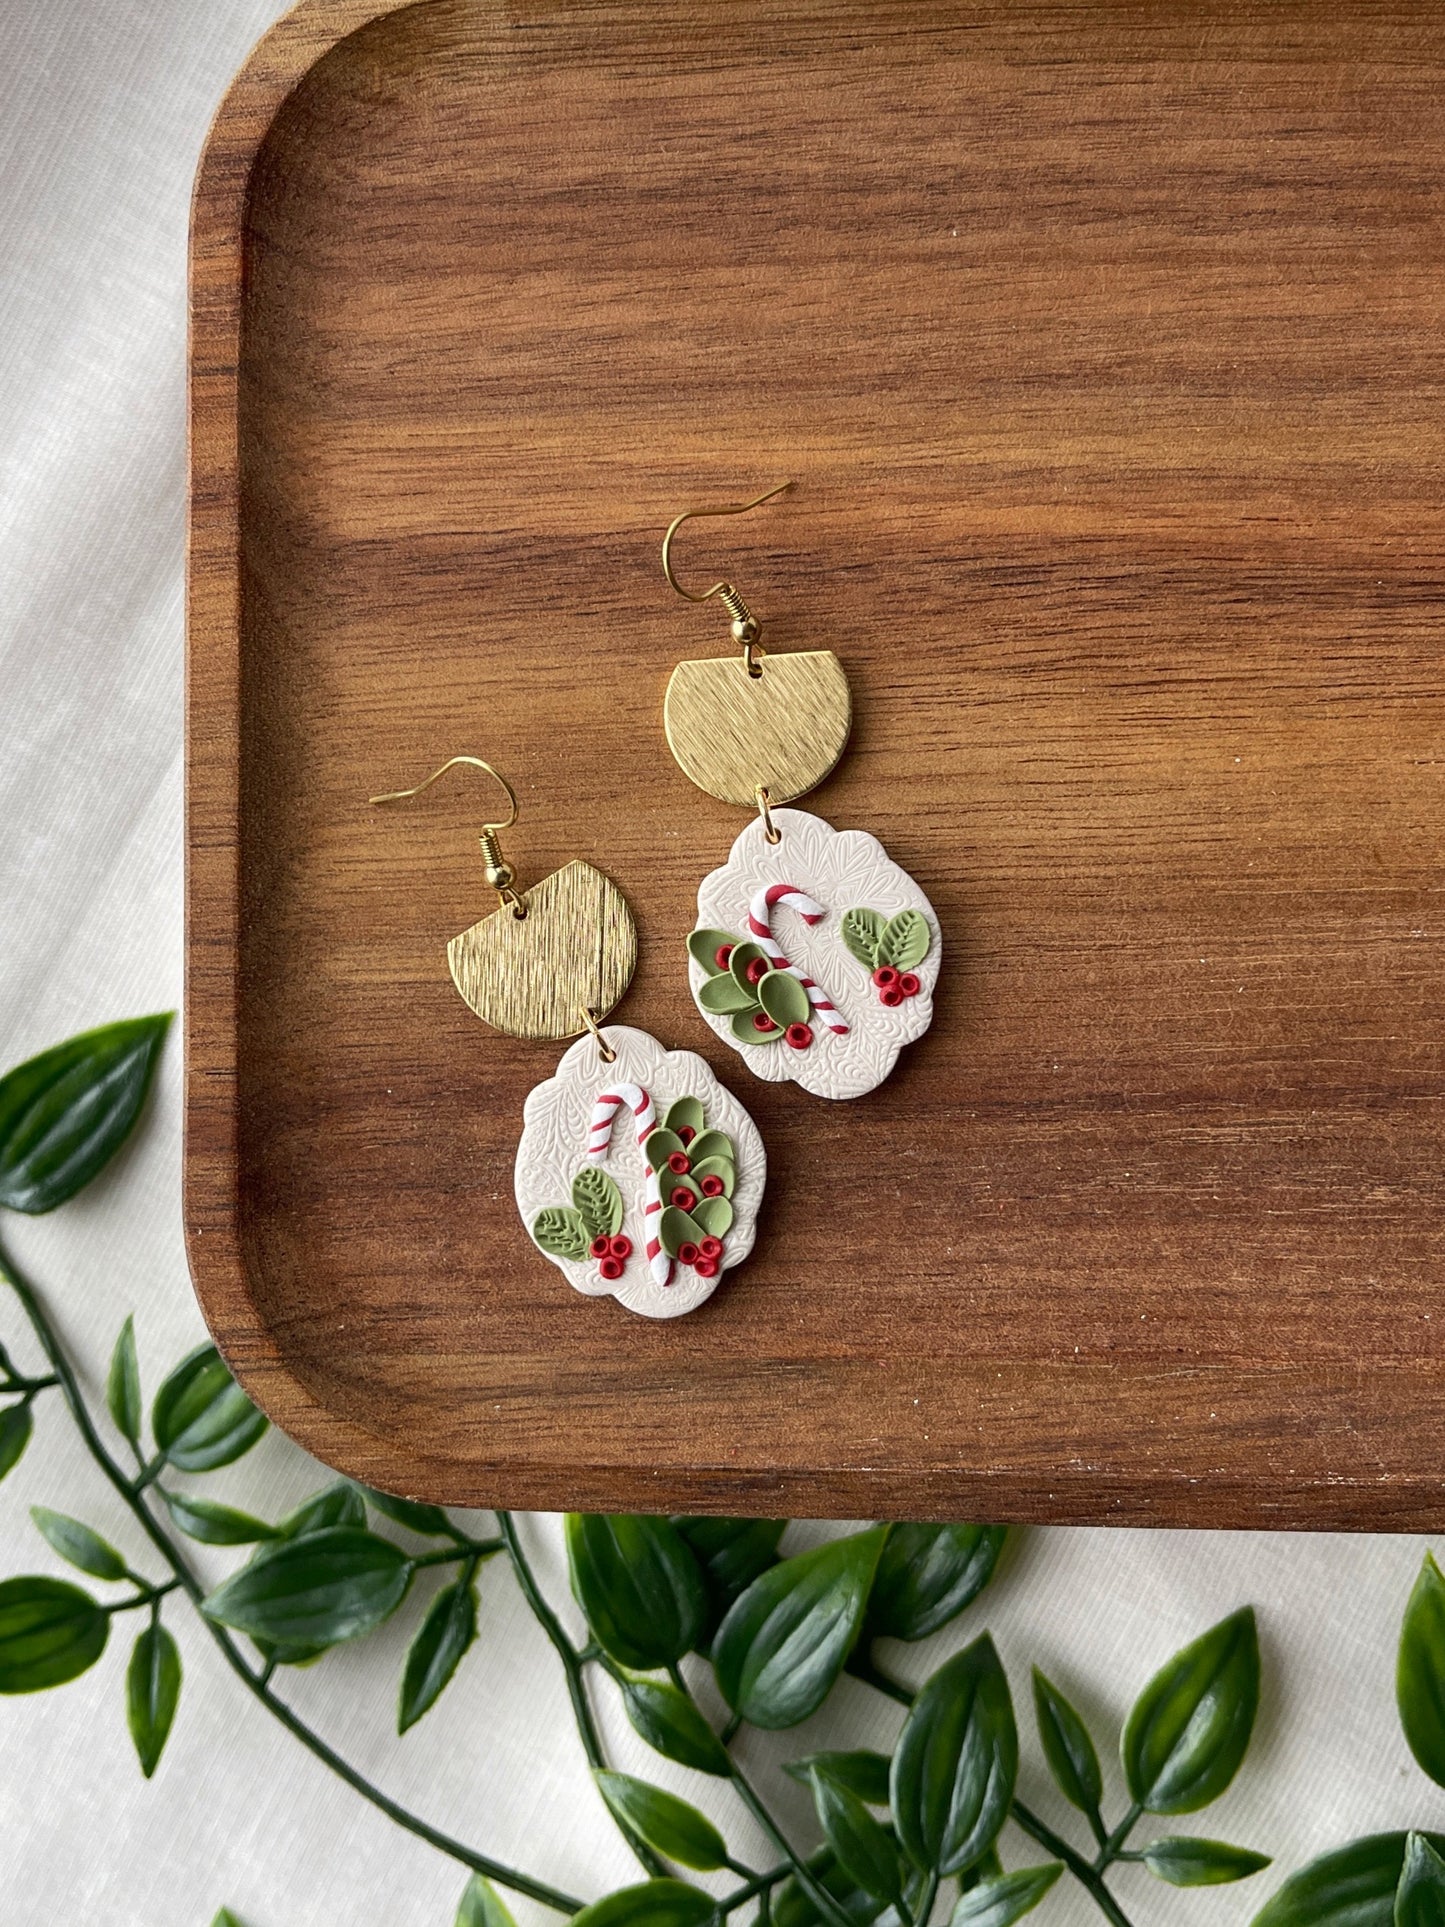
499,873
746,628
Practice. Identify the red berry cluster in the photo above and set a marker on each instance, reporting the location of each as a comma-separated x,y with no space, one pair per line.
679,1165
705,1258
798,1035
612,1254
894,985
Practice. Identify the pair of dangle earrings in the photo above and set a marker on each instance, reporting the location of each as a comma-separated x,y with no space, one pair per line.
638,1173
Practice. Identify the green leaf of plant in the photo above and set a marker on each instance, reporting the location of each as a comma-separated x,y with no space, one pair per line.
956,1762
65,1114
905,940
722,1168
483,1906
1352,1887
50,1633
714,1216
711,1144
335,1505
438,1649
561,1232
415,1514
1067,1747
865,1774
122,1385
213,1524
1185,1861
16,1426
152,1691
861,931
1420,1671
784,1640
1189,1728
866,1851
685,1114
784,998
661,1145
677,1228
639,1585
201,1418
1420,1896
928,1574
78,1544
1006,1898
743,955
731,1553
793,1907
725,997
703,946
653,1903
597,1197
314,1591
672,1725
673,1828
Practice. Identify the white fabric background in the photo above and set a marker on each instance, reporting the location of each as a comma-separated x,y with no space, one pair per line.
103,107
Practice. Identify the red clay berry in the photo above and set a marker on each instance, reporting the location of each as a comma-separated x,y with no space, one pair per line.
687,1133
706,1267
892,996
799,1035
611,1267
712,1186
885,976
763,1022
600,1247
757,970
687,1252
621,1248
684,1197
909,984
722,956
711,1248
679,1164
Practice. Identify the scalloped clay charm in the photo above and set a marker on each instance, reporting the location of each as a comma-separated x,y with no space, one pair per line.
815,957
641,1177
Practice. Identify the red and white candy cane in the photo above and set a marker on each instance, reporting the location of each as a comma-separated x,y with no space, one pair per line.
599,1136
760,912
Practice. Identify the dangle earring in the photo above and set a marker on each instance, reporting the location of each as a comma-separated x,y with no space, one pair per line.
652,1213
855,983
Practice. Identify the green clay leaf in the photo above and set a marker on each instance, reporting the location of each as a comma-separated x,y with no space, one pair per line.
677,1228
723,1168
561,1232
711,1144
684,1114
597,1197
724,996
746,1031
703,946
861,931
743,955
661,1145
784,999
715,1215
905,941
152,1691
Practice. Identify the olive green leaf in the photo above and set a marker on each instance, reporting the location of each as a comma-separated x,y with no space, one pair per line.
201,1418
1067,1746
661,1145
956,1762
743,955
904,943
724,997
438,1649
65,1113
639,1586
784,1640
1420,1671
745,1029
1420,1896
714,1215
1006,1898
703,946
673,1828
561,1232
1352,1887
862,931
794,1907
214,1524
428,1520
1189,1728
335,1505
482,1906
597,1197
653,1903
78,1544
865,1774
784,998
684,1114
711,1144
152,1691
676,1228
314,1591
928,1574
731,1553
50,1632
1185,1861
672,1725
16,1425
122,1385
722,1168
866,1851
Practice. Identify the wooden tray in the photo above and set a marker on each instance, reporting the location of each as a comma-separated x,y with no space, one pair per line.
1105,345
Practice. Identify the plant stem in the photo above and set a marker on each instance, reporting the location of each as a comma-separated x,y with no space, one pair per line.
1075,1862
759,1884
1110,1849
811,1886
254,1682
861,1666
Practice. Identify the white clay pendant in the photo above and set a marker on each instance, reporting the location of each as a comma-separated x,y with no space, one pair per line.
642,1177
814,957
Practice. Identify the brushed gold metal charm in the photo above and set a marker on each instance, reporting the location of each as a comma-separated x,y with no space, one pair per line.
780,729
535,968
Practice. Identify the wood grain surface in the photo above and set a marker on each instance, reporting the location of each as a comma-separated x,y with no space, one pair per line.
1105,346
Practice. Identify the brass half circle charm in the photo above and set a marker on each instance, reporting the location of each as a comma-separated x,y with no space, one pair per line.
783,730
534,976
